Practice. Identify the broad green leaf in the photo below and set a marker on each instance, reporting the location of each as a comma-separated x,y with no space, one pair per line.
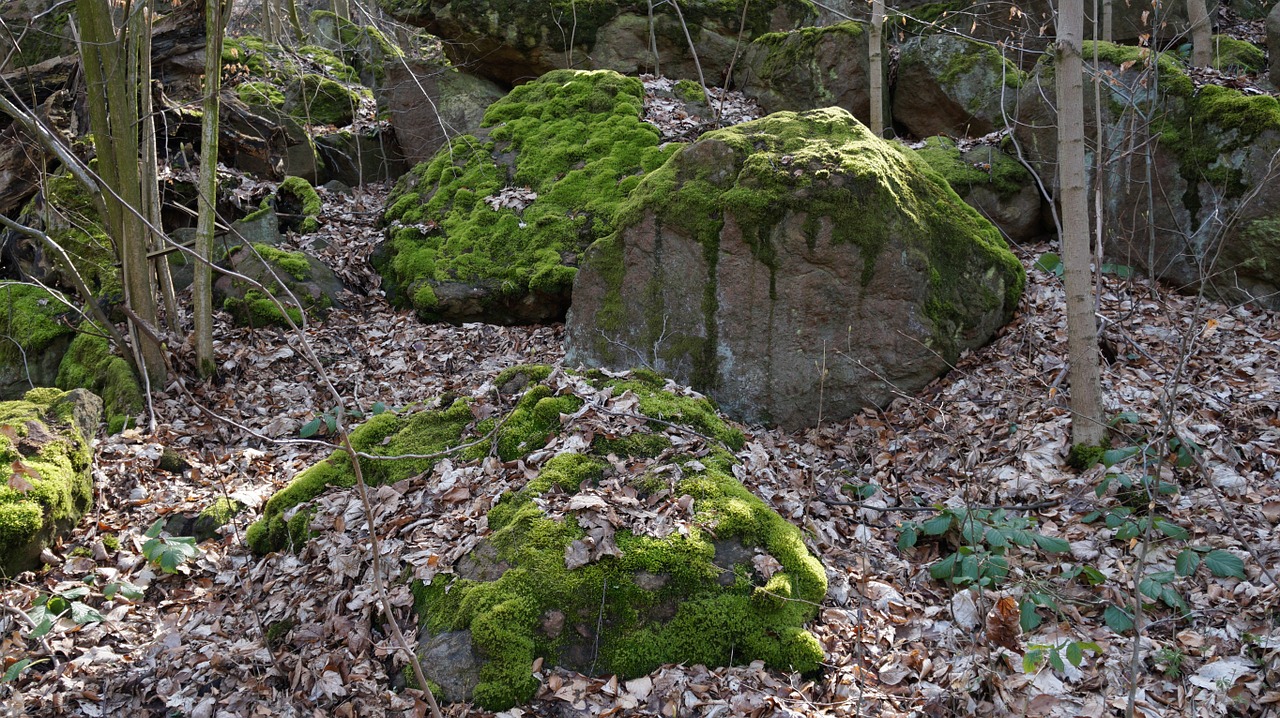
309,429
123,588
1117,619
1170,529
1074,654
937,525
1151,588
1051,544
1050,262
17,668
75,593
155,529
1055,660
83,613
1187,562
1224,563
1028,618
1111,457
1093,576
1031,660
944,568
973,532
1173,599
907,536
378,407
1022,537
1125,417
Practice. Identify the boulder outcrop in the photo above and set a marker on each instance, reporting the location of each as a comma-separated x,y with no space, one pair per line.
795,268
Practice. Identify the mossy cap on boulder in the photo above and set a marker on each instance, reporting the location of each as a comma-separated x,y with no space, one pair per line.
45,481
641,520
760,249
491,228
33,338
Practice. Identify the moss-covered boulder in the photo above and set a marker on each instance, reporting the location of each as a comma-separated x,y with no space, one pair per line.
34,336
357,158
795,268
299,281
45,479
990,181
811,68
1237,57
630,544
1273,40
1209,216
491,229
512,42
362,47
948,85
430,101
90,364
65,212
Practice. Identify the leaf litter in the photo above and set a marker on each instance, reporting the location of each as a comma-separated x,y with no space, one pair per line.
301,635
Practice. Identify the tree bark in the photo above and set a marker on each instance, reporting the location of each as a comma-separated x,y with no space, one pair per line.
202,290
111,63
1201,33
1087,426
875,52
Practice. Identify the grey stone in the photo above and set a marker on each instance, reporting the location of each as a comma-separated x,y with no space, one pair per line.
354,159
1273,44
430,102
948,85
451,662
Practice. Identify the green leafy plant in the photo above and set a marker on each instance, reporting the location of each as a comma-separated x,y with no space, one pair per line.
168,552
1057,655
12,672
327,423
1169,661
983,538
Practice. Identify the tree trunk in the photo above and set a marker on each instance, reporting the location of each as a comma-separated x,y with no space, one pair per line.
877,68
202,289
1201,32
111,64
1087,427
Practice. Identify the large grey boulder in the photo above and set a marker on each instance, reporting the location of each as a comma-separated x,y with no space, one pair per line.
811,68
1209,216
516,42
795,268
948,85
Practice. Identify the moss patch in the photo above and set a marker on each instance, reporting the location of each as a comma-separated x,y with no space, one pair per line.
71,220
573,138
1003,175
295,196
30,321
1232,55
261,94
54,487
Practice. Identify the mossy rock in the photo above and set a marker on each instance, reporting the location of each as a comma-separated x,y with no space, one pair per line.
736,584
491,228
33,338
362,47
66,213
311,283
1238,56
753,255
1213,157
319,100
990,181
953,86
90,364
298,203
45,479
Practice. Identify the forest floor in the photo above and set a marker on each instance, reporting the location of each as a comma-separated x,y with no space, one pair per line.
992,433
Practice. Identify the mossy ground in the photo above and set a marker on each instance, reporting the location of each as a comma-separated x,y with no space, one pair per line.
817,164
1232,55
574,138
55,488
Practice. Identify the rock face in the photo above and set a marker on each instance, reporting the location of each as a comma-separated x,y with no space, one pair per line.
628,546
951,86
432,102
357,158
491,229
48,484
995,184
515,42
761,249
1211,216
810,68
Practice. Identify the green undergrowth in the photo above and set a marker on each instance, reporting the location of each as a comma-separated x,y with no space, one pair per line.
826,168
42,491
574,138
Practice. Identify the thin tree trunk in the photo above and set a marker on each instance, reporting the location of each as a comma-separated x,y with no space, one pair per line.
1198,17
1107,35
876,51
151,182
111,62
202,287
1087,427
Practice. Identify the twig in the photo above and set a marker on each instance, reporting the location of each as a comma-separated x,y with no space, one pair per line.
889,509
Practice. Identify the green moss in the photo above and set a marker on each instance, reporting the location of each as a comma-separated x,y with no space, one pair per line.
535,419
333,65
386,434
690,91
1173,78
1238,55
532,373
322,101
111,542
71,220
691,618
631,446
30,321
221,511
1083,456
251,52
292,263
698,414
574,138
260,94
277,630
46,39
1003,174
258,310
58,485
1262,240
89,364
